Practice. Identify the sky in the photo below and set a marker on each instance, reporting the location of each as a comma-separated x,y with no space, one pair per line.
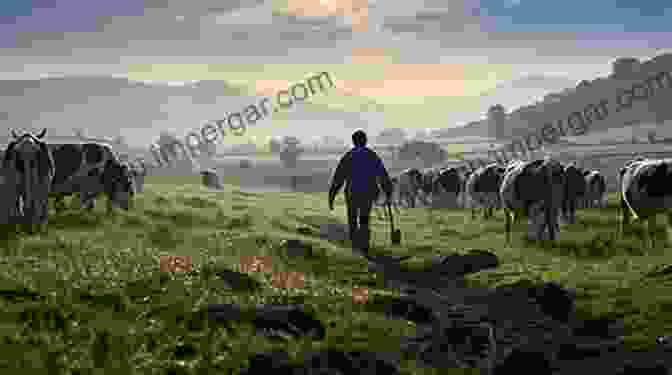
428,63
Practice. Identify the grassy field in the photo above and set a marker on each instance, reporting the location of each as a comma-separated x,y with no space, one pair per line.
94,275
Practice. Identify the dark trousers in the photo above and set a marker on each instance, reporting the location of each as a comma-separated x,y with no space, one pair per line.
359,211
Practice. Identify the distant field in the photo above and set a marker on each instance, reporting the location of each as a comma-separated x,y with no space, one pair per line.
117,256
315,170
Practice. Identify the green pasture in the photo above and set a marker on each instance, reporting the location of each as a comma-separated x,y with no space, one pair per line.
130,319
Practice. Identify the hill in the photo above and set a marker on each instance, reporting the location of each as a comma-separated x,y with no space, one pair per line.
558,105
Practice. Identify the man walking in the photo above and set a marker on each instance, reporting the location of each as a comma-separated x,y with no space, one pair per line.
362,171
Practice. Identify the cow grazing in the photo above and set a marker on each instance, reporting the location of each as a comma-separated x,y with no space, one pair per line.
210,179
450,182
90,169
138,172
428,186
533,189
482,189
575,189
596,189
645,191
410,182
32,162
465,173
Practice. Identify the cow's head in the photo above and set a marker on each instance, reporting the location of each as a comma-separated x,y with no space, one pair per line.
118,182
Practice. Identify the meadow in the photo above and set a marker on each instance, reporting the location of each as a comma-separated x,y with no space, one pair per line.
89,293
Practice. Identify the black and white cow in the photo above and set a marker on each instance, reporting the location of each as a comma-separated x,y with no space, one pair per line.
138,172
596,189
29,162
428,188
465,173
90,169
534,189
575,189
449,183
482,189
645,191
409,183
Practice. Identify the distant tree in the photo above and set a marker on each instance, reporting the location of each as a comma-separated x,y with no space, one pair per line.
289,155
651,135
391,135
429,152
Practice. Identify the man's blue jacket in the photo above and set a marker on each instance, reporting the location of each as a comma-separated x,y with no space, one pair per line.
361,170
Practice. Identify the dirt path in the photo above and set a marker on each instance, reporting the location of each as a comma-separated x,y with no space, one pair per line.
532,318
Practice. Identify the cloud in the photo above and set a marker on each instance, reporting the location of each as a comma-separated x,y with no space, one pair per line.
442,55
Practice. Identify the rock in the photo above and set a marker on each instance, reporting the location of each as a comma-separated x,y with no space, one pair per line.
325,362
524,361
277,362
460,265
346,363
400,307
297,248
555,301
238,281
290,319
455,343
305,230
334,232
276,321
643,369
600,327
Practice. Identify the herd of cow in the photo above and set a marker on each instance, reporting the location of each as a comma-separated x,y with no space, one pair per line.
34,170
543,190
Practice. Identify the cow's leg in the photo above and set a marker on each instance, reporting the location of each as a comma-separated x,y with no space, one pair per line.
647,238
551,222
59,203
625,218
110,199
540,214
572,211
88,201
509,219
